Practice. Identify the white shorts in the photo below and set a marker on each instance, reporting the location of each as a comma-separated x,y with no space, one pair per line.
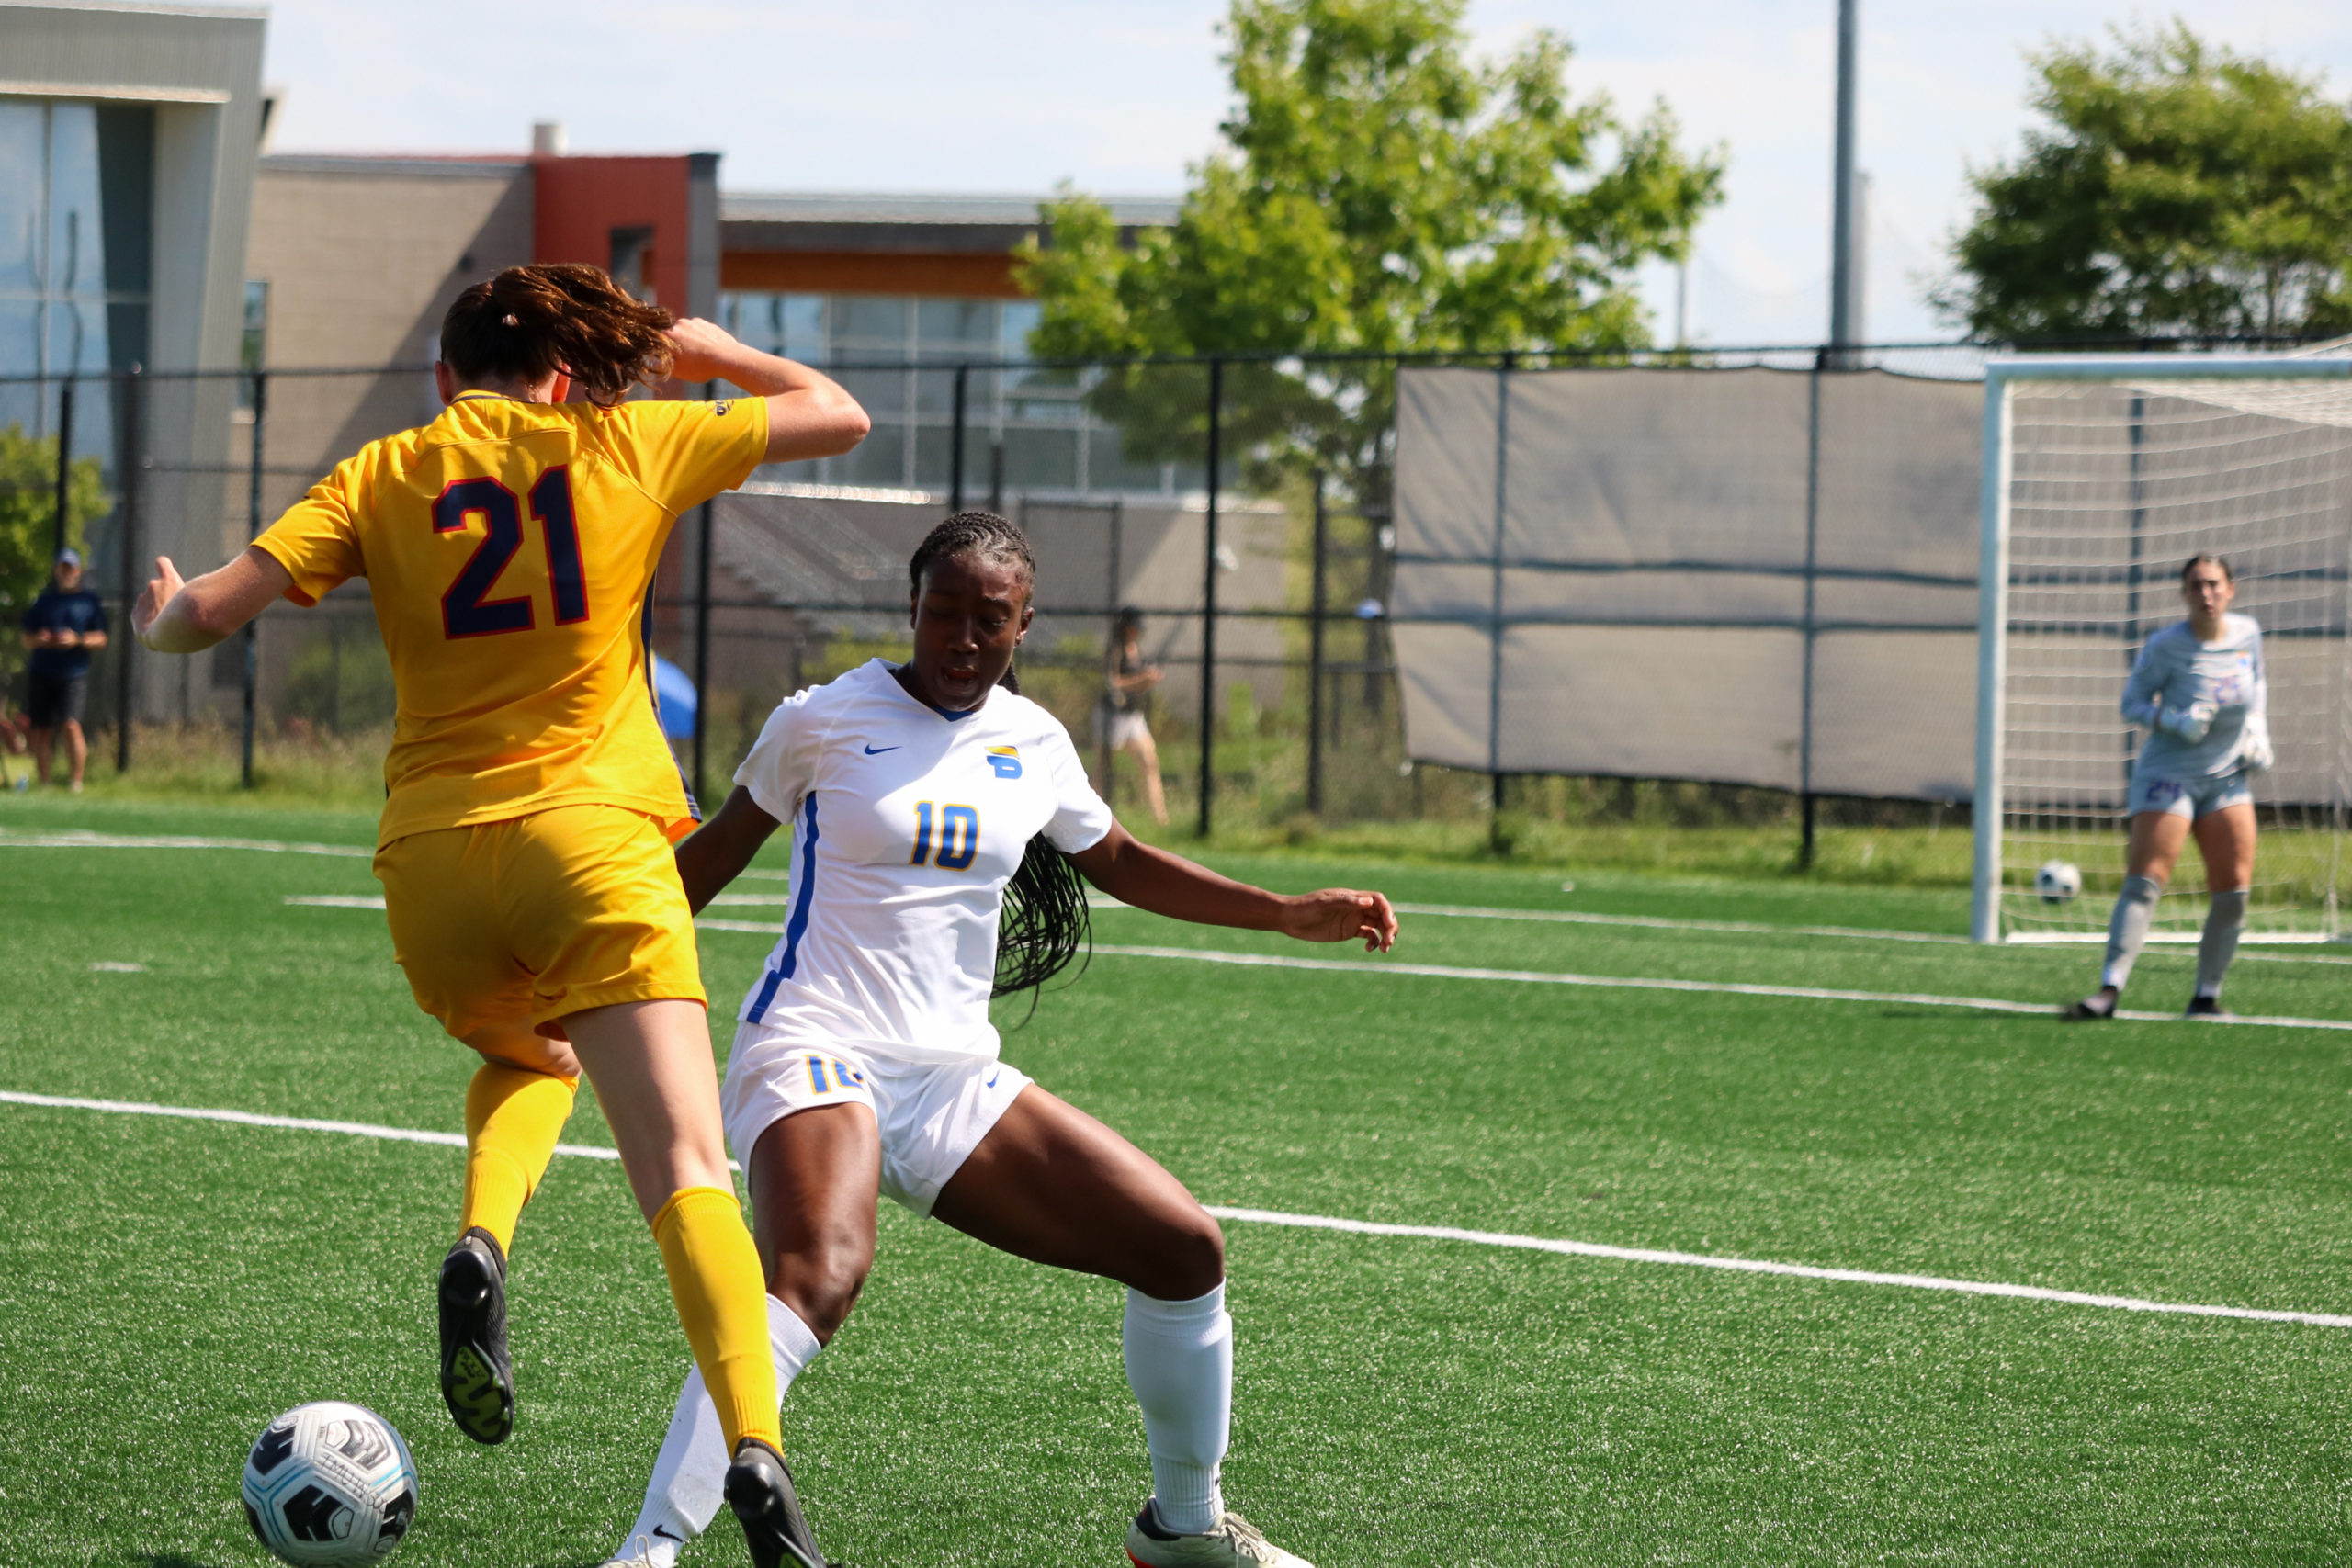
1125,728
931,1114
2195,798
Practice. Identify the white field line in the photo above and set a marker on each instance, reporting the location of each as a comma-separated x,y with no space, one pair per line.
1795,1270
1749,928
79,838
257,1119
2096,939
1642,983
1313,1222
83,839
757,928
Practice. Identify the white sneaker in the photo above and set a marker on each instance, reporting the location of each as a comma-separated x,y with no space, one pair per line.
645,1551
1234,1543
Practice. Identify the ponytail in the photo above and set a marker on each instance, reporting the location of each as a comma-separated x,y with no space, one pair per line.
530,322
1045,921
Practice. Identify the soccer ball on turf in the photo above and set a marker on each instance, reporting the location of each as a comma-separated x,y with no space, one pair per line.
330,1484
2058,881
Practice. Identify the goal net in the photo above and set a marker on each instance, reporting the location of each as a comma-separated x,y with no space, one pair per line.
2102,477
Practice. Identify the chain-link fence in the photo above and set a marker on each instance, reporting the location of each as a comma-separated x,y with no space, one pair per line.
1239,506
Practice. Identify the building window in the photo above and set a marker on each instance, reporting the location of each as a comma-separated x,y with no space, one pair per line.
76,203
896,356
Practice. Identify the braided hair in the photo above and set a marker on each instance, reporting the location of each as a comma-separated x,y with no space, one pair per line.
530,322
982,533
1045,922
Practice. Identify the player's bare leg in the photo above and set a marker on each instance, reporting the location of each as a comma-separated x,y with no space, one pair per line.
1054,1185
2225,838
1146,754
815,1177
78,754
815,1184
651,1064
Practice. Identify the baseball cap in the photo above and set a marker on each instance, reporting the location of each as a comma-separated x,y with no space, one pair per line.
70,557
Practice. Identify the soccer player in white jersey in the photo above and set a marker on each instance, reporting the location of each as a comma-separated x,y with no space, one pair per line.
864,1061
2198,686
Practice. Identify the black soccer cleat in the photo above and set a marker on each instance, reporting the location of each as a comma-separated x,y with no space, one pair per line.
2099,1004
2207,1007
759,1488
477,1376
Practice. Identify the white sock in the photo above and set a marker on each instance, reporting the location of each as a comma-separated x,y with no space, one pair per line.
1180,1362
690,1473
2223,923
2126,929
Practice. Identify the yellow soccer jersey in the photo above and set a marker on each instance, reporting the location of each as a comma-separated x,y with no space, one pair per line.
509,547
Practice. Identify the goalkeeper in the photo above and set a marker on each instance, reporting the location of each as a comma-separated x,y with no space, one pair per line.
2198,686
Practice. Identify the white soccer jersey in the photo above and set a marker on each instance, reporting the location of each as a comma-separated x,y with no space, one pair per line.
2175,671
906,823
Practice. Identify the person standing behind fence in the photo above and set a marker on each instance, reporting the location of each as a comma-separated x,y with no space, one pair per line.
63,626
524,847
1126,683
2199,687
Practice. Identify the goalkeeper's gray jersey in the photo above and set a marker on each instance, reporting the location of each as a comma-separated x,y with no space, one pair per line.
2175,674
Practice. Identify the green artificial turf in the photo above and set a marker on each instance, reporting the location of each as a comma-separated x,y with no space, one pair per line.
167,1286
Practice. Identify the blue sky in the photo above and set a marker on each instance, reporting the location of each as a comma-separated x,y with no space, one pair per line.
1120,96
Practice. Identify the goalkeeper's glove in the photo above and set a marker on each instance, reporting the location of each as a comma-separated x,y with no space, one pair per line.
2255,754
2189,724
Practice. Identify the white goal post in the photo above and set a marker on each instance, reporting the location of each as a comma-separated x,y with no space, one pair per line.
2102,474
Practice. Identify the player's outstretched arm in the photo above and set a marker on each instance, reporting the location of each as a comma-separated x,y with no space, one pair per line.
1135,872
173,616
715,854
809,413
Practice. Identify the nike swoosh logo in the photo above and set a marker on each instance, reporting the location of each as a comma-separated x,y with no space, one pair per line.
877,750
665,1534
992,1083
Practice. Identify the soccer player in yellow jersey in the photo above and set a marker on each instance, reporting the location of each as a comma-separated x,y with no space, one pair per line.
524,845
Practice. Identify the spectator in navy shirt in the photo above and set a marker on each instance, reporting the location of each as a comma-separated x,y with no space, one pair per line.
63,625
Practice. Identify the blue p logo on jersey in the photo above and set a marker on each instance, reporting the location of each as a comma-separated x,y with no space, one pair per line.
1006,760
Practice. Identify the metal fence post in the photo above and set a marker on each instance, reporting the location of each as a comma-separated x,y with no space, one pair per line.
1812,534
702,653
955,443
253,532
1315,605
1209,600
1495,621
64,463
1106,754
130,469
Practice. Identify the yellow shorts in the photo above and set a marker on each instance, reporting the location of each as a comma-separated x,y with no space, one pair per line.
531,919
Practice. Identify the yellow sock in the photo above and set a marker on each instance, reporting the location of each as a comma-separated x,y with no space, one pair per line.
513,1119
722,1303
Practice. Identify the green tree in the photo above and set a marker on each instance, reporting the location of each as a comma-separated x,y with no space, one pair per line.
2176,188
1378,192
28,525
